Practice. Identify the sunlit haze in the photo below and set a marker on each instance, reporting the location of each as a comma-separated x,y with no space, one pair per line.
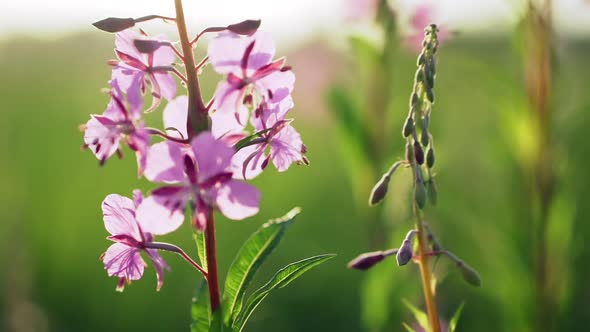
288,19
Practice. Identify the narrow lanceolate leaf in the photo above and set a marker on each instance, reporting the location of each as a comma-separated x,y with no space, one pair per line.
200,310
455,318
200,241
281,279
249,258
421,316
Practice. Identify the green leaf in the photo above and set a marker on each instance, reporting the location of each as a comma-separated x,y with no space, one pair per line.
408,327
248,260
200,241
200,310
421,316
244,142
281,279
455,318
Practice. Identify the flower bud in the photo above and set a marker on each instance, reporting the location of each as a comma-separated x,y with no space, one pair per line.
424,137
405,252
420,194
421,59
430,95
408,127
469,274
419,77
414,100
366,261
418,153
432,192
146,45
379,190
409,153
114,24
430,157
247,27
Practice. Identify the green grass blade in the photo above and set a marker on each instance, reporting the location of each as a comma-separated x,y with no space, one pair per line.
455,319
421,316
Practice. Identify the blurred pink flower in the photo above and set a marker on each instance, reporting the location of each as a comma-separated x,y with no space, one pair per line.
120,121
247,62
204,178
148,67
422,16
130,234
361,9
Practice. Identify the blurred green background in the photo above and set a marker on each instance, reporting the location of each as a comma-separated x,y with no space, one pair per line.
51,230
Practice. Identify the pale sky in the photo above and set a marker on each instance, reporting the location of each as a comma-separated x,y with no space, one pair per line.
287,19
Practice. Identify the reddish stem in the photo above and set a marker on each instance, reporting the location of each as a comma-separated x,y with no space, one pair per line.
211,254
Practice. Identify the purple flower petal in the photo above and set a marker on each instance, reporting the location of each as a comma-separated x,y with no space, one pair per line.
123,261
101,136
124,43
119,216
238,200
164,55
175,115
228,97
157,218
224,123
164,163
212,156
160,265
286,148
227,49
166,84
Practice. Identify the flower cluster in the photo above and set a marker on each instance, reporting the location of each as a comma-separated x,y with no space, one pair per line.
197,170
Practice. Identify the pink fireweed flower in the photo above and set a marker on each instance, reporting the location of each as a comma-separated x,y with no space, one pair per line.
251,73
422,16
277,135
122,219
150,68
121,121
203,178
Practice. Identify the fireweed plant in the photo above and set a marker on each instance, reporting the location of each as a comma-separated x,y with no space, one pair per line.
418,140
206,153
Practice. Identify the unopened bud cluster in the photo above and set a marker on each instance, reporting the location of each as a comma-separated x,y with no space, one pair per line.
420,145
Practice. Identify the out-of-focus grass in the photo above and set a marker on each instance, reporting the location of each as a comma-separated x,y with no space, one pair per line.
51,230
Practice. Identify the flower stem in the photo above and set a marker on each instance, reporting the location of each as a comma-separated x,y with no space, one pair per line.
197,118
211,254
176,249
429,295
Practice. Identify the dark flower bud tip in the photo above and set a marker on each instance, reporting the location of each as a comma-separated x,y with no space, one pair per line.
418,153
420,194
247,27
146,45
408,127
405,252
469,274
380,190
430,95
366,261
430,157
114,24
